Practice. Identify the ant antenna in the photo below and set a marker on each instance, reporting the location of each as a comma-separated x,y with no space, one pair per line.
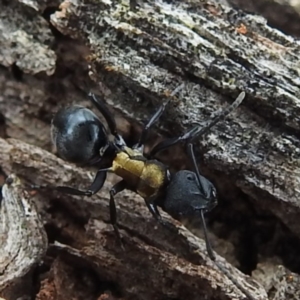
196,168
207,241
176,90
198,131
190,136
155,117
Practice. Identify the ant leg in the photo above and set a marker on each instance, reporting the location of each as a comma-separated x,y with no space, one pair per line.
201,184
220,266
154,118
154,211
198,131
117,188
150,202
207,241
111,122
150,123
95,187
191,155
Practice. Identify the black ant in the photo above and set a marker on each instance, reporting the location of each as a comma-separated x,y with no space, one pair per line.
80,137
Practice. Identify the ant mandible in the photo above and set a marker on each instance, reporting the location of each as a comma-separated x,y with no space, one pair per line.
80,137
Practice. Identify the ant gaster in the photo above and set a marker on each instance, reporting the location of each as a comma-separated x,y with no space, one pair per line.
80,137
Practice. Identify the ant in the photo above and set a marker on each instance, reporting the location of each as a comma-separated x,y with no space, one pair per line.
80,137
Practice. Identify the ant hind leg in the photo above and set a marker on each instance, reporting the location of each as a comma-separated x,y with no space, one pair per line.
95,187
117,188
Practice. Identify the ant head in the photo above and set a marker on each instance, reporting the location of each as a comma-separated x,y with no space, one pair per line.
187,196
78,135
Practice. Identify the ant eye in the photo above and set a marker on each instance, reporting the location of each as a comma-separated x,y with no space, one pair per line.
190,177
214,193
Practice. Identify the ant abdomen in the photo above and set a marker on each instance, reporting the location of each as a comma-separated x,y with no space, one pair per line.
78,135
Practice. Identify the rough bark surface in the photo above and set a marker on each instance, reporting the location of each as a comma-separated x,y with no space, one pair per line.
153,256
281,14
22,238
133,56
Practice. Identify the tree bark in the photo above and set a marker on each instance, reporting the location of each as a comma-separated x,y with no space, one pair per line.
174,263
23,240
133,57
281,14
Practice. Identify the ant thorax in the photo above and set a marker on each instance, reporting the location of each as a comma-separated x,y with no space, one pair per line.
146,177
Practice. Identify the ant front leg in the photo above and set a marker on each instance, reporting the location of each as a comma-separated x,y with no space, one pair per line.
95,187
152,206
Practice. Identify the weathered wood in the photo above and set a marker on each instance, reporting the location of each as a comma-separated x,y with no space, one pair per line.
23,241
282,285
20,41
152,253
281,14
258,146
139,57
136,58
